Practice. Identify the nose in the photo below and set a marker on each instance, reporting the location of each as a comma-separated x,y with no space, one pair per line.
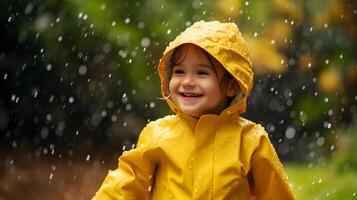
188,81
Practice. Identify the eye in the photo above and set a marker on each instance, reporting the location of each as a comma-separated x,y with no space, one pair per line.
178,71
202,72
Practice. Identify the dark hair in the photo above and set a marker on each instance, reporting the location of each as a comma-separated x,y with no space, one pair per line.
179,54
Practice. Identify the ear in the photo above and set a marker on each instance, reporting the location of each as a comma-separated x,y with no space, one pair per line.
232,88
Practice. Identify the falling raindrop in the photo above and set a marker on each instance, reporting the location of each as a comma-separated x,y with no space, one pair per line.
104,113
320,141
124,98
82,70
290,132
48,117
28,8
128,107
145,42
114,118
52,97
332,147
70,99
14,144
127,20
44,132
48,67
330,112
88,157
327,125
141,25
35,92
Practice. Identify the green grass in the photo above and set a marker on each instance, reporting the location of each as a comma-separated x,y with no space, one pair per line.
321,182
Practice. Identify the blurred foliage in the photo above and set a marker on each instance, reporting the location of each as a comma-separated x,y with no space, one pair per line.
79,74
321,182
345,158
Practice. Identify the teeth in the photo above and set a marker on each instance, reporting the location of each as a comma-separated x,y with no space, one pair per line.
191,95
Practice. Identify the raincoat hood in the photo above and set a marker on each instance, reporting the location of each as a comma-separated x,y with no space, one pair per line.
226,44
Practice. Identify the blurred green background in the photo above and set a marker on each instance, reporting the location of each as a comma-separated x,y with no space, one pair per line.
78,83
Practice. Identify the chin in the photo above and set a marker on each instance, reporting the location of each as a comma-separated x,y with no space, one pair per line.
192,114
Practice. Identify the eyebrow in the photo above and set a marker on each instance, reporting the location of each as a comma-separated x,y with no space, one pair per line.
204,65
198,65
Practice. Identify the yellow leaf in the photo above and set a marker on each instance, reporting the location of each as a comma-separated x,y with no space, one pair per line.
265,57
329,80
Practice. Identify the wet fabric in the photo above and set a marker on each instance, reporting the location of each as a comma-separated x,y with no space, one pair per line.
213,157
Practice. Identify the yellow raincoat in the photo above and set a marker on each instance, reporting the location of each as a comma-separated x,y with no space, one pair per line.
213,157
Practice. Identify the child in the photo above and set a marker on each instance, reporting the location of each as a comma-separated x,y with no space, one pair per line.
206,150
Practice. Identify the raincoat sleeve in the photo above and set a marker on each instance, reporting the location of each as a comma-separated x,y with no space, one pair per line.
269,179
133,177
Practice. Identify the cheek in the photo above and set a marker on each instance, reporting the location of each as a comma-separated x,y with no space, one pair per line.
213,86
172,85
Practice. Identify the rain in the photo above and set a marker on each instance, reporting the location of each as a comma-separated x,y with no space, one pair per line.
78,83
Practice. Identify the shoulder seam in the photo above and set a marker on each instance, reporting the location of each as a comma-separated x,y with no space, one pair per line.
159,135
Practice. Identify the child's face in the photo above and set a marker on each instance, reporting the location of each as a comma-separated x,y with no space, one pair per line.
195,85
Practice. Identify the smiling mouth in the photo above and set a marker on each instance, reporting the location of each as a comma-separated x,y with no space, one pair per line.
184,94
